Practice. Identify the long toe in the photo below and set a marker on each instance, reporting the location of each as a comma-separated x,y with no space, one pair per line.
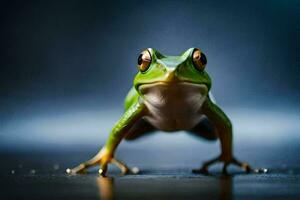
80,169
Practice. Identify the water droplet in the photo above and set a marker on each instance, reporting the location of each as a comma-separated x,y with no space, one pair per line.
56,166
135,170
261,170
68,171
265,170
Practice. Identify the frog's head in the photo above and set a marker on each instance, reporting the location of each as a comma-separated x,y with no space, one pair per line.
189,68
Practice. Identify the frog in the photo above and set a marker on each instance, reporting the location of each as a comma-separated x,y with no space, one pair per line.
169,94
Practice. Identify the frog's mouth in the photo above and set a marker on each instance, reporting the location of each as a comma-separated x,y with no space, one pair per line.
177,93
170,84
174,85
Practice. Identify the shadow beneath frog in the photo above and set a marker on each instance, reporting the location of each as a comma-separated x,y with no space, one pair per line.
223,190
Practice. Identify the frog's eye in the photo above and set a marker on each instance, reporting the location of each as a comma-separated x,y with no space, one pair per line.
144,61
199,60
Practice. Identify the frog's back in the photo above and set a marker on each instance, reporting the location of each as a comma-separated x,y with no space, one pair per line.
131,98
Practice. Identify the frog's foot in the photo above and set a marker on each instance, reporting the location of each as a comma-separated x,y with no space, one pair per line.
82,168
103,160
204,169
123,167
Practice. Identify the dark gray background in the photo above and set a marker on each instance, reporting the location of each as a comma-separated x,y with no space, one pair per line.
67,65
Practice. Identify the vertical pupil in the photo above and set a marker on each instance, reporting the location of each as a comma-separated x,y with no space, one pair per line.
203,59
140,59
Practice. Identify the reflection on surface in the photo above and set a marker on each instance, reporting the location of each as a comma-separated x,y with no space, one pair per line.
225,184
106,188
148,188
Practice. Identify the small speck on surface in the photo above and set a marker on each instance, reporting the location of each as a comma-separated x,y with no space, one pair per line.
68,170
32,171
135,170
261,170
56,166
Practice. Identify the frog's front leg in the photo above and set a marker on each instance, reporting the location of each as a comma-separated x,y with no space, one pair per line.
106,154
224,132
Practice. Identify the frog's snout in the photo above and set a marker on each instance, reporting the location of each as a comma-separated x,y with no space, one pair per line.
171,76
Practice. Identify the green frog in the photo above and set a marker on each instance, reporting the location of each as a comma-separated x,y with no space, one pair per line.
169,93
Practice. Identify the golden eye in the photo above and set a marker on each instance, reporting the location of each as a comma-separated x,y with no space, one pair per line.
199,60
144,61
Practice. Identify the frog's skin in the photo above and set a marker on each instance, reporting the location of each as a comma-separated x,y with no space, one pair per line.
169,93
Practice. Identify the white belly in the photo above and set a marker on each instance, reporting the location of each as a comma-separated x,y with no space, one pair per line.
174,106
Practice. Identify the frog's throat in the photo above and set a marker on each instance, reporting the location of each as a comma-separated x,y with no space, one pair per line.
174,94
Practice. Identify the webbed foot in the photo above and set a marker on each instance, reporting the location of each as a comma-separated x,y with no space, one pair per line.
226,161
103,158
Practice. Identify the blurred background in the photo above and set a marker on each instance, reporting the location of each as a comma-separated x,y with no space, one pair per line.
66,67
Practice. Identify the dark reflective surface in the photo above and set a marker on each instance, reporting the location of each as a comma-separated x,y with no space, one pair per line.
166,188
41,175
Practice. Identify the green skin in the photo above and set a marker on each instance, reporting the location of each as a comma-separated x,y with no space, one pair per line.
167,70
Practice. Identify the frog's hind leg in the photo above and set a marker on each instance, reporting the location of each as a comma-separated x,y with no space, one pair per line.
140,129
205,129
